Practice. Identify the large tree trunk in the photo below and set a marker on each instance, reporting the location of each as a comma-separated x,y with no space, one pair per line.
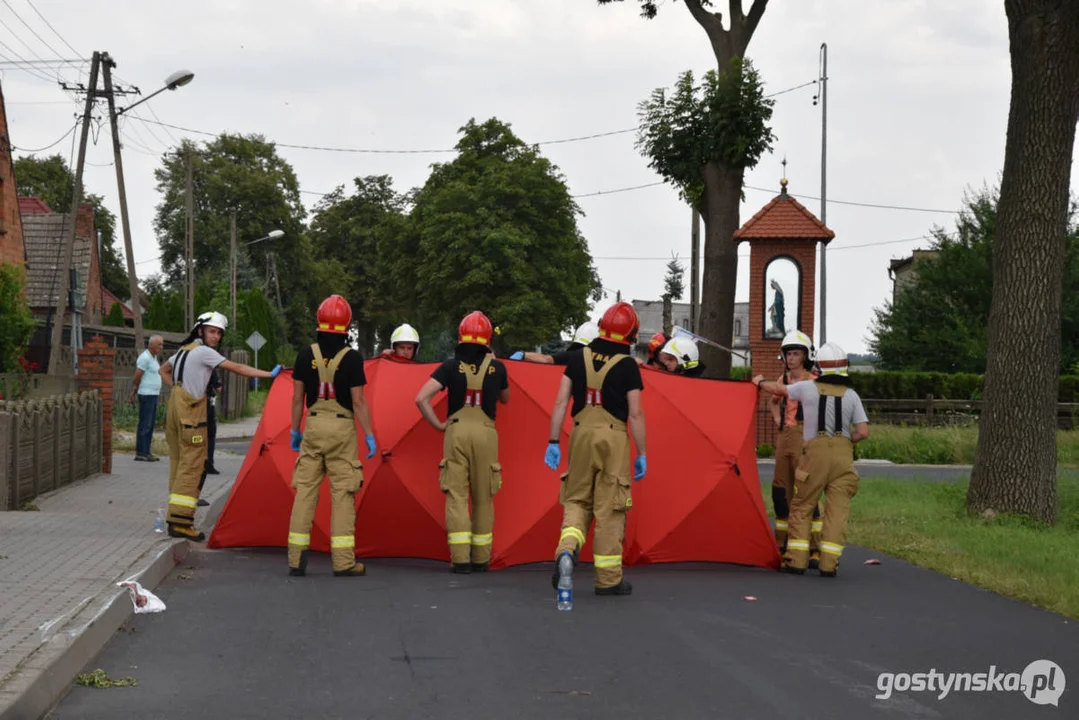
667,308
722,197
1015,465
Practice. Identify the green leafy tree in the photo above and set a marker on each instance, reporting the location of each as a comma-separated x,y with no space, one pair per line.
702,138
673,289
940,324
244,173
720,187
496,230
362,234
16,322
51,180
115,317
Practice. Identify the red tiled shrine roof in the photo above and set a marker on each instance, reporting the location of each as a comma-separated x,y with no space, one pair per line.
784,218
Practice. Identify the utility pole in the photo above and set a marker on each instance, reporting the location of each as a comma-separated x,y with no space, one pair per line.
107,63
68,248
694,264
277,284
189,247
232,261
823,193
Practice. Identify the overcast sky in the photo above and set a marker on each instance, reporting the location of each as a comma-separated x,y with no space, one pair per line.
917,107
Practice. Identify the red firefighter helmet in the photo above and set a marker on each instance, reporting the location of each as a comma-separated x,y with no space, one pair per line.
334,315
475,329
656,343
619,324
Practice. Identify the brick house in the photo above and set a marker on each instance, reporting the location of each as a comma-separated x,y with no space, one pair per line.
11,234
904,271
43,237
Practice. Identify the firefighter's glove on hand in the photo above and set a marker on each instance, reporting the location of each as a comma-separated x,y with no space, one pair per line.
371,447
297,438
640,467
276,370
553,456
517,356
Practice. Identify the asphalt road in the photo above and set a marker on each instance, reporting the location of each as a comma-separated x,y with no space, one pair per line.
240,639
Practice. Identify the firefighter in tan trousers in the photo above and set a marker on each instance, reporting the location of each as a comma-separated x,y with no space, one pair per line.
834,419
604,382
798,357
188,374
476,383
329,378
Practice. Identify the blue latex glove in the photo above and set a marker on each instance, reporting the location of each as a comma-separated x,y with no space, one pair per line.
276,370
297,438
553,456
370,439
517,356
640,467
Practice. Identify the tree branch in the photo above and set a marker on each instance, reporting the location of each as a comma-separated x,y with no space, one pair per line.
756,12
711,22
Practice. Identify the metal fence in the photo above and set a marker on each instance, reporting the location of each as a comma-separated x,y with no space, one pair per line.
46,444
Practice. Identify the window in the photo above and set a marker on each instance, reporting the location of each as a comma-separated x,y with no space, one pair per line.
782,297
738,328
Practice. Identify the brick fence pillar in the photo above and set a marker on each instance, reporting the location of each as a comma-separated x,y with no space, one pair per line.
96,360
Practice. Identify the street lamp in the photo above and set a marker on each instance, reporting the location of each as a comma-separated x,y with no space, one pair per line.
177,79
274,234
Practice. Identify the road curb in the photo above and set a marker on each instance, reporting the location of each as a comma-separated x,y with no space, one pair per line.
60,658
53,667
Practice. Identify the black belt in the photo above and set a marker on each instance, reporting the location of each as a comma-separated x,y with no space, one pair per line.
345,417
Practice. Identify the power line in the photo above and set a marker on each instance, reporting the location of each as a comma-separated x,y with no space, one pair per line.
620,190
34,32
831,248
27,66
862,204
42,149
47,23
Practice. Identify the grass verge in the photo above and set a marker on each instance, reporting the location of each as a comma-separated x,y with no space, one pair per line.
926,523
943,445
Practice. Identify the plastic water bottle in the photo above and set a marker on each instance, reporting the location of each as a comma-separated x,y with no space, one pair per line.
565,582
159,521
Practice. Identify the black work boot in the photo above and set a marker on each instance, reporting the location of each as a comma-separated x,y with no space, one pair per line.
357,570
461,568
814,559
301,569
787,568
622,588
480,567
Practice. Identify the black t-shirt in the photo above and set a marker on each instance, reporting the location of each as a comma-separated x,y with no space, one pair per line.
562,358
621,379
451,375
349,374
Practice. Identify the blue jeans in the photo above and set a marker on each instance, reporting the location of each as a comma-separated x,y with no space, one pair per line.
147,418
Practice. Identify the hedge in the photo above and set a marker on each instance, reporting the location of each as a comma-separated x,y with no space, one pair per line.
959,386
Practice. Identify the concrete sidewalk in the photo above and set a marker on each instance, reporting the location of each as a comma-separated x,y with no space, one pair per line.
243,429
59,603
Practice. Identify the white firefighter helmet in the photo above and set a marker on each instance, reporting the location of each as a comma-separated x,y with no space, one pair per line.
212,319
798,339
586,333
685,350
404,333
832,360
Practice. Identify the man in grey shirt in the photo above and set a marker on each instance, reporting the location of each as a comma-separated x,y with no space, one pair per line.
188,373
833,419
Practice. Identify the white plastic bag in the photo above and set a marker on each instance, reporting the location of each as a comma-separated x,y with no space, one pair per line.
143,600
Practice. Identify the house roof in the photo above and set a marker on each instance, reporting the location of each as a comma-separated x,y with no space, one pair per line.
32,206
107,299
43,236
784,218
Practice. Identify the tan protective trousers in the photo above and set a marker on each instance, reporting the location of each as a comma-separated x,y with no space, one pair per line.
827,468
470,469
185,433
329,447
788,457
597,485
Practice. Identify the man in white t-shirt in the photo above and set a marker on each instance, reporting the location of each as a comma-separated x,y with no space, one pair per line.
146,386
833,419
188,373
